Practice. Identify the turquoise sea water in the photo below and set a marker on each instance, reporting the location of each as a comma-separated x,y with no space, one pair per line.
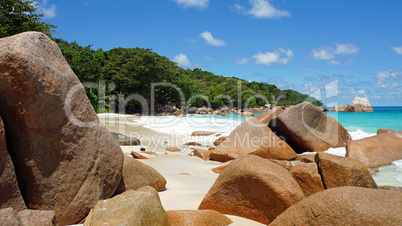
370,122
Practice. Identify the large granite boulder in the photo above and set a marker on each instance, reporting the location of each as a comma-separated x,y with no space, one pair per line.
345,206
359,105
65,159
307,176
267,116
137,175
306,128
10,195
252,137
378,150
197,218
337,171
141,207
338,108
253,188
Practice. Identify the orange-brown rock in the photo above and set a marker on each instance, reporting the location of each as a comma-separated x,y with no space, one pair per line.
219,141
307,176
173,149
345,206
337,171
202,154
306,128
306,158
10,195
219,169
377,150
192,143
197,218
379,131
37,217
359,105
141,207
337,108
137,155
202,133
285,164
252,137
65,159
137,175
267,116
246,113
253,188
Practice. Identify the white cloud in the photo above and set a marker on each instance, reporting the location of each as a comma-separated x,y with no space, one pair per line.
323,53
261,9
200,4
207,36
329,53
182,60
388,74
210,58
346,49
48,10
361,92
397,49
279,56
242,61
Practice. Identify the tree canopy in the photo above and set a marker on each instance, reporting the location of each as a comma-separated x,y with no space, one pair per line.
18,16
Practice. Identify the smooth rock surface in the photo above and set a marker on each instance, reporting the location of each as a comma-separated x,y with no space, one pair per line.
359,105
345,206
197,218
306,128
137,175
65,159
337,171
253,188
252,137
10,195
130,208
307,176
376,151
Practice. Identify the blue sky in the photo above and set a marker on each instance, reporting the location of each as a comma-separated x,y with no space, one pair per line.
334,50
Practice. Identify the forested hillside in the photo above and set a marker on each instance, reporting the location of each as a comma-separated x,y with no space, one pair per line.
132,71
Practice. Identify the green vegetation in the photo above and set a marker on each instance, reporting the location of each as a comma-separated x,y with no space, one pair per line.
132,71
18,16
121,72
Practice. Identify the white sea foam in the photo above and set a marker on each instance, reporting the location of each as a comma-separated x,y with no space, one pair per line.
390,175
337,151
359,134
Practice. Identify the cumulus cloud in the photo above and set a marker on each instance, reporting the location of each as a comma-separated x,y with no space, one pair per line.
207,36
242,61
200,4
397,49
387,80
279,57
261,9
48,10
182,60
329,53
346,49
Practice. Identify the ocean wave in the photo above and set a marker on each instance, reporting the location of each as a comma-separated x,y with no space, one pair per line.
360,134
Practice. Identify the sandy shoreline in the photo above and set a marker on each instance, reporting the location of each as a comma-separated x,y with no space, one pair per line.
189,178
